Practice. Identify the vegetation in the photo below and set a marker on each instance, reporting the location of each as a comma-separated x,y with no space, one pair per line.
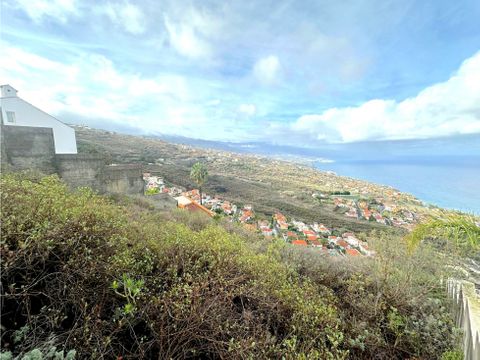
199,175
241,178
90,278
152,191
456,231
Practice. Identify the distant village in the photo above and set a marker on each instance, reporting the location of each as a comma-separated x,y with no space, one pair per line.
327,240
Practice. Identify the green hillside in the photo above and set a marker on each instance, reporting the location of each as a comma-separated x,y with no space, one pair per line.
240,178
87,276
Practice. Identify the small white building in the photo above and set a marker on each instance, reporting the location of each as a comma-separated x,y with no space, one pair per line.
15,111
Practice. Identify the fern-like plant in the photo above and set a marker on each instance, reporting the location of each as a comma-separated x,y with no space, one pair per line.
458,230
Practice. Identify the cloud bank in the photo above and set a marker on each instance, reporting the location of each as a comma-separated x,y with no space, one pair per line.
448,108
271,70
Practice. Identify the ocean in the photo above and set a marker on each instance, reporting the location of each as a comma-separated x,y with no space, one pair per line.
444,172
453,186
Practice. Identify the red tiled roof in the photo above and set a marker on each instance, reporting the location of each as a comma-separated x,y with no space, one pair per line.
299,242
194,206
352,252
342,243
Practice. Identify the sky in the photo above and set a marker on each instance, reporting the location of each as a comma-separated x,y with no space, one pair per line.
287,72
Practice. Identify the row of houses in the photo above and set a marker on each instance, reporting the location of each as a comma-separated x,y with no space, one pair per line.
318,236
292,231
375,210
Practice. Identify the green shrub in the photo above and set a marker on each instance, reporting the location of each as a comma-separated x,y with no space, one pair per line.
193,293
110,280
392,306
152,191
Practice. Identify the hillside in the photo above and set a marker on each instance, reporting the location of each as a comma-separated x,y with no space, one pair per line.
248,178
89,278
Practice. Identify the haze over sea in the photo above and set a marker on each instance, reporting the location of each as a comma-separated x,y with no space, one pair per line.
443,171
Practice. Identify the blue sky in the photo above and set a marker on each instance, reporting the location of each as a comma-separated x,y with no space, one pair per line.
288,72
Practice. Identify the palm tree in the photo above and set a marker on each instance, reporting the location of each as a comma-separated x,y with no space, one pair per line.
460,230
199,175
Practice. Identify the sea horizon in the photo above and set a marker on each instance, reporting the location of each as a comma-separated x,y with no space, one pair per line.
443,172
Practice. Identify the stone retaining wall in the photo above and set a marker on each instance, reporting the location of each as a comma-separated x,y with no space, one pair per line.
25,147
33,148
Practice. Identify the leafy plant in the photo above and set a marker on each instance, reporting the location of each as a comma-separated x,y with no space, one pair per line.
458,230
152,191
206,289
131,291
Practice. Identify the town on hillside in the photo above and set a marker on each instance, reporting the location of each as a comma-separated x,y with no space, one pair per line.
327,240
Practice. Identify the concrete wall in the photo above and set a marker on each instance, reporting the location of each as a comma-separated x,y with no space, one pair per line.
26,148
32,148
28,115
122,179
80,170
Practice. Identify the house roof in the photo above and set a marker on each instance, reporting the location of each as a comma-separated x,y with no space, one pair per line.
352,252
299,242
183,201
342,243
194,206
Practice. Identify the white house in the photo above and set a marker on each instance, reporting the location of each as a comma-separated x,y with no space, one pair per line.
15,111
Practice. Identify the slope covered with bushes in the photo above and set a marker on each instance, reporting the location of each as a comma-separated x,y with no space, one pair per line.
82,273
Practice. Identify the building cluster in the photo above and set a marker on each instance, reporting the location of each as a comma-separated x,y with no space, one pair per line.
292,231
318,236
377,210
155,185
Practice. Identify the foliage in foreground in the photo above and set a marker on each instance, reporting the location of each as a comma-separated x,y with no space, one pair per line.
82,274
458,232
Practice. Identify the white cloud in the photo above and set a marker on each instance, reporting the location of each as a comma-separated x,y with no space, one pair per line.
247,109
267,70
186,39
127,16
93,88
38,10
213,102
447,108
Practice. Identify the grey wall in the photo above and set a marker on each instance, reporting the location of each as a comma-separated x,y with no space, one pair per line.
80,170
32,148
122,179
26,148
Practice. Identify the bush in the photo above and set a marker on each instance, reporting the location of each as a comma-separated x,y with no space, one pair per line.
116,281
393,306
74,262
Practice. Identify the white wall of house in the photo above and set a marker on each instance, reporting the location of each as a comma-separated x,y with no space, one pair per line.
17,112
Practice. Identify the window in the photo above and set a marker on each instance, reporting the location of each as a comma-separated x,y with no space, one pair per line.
10,116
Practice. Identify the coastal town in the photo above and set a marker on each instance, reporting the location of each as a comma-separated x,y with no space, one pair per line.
331,241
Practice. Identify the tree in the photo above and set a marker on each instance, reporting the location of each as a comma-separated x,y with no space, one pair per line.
199,175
